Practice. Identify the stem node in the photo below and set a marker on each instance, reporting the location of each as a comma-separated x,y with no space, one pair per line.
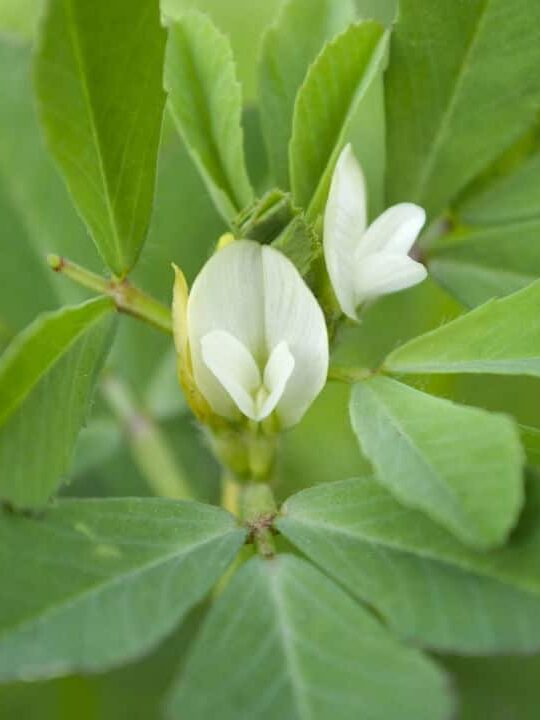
127,298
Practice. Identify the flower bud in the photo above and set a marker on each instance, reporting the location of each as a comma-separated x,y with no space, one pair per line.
255,334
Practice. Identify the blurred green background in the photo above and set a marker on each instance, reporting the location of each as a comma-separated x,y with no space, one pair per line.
36,217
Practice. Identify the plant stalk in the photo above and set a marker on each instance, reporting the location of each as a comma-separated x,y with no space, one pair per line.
149,447
127,298
349,375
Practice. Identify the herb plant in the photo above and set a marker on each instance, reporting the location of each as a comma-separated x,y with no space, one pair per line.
269,430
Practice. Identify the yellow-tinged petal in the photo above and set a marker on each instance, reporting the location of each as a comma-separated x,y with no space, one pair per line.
226,239
179,314
196,401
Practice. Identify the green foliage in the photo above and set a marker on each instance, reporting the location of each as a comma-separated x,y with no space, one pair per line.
243,21
431,589
384,11
288,48
439,545
183,237
501,337
23,277
484,262
461,465
103,93
265,219
461,87
206,103
19,17
43,218
100,581
299,243
263,656
47,376
491,686
331,109
509,198
134,691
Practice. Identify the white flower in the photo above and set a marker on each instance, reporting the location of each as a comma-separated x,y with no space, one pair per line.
366,262
257,337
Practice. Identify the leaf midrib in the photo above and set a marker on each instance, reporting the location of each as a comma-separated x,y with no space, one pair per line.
79,59
424,553
223,181
443,125
109,583
297,684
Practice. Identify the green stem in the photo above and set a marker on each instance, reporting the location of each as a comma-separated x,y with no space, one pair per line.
128,298
258,510
149,447
230,493
349,375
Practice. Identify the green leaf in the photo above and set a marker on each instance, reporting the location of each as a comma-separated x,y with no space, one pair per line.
98,80
20,17
288,49
461,465
474,285
488,687
507,191
25,282
339,101
479,263
206,103
134,691
384,11
530,439
500,337
431,589
244,30
186,238
47,376
514,198
36,197
98,582
462,86
284,642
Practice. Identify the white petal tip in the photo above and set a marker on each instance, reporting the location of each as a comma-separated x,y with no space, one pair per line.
383,274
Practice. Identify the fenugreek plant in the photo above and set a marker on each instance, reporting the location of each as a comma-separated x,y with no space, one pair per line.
374,242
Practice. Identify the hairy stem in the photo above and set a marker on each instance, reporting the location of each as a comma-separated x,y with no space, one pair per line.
258,511
127,298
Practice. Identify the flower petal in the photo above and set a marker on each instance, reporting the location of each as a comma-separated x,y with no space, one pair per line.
277,372
256,295
395,231
233,365
227,295
179,314
345,221
384,273
292,314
